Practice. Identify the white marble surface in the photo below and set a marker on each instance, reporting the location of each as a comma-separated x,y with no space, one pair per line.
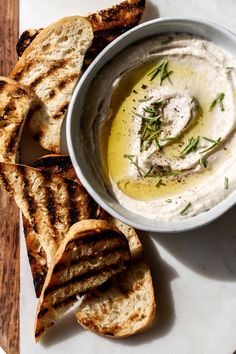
194,273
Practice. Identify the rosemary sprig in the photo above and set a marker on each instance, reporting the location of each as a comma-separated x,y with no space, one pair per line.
161,69
150,110
203,162
167,41
209,139
191,146
151,118
150,127
218,100
214,143
196,106
226,183
145,99
185,210
135,163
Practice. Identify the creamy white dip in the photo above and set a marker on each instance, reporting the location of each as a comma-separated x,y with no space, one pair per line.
166,139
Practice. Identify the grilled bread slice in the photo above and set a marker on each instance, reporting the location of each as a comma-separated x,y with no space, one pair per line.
124,305
111,23
90,254
51,66
57,165
15,103
107,25
50,203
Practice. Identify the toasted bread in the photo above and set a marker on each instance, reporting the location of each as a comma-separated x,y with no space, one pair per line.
107,25
124,305
15,103
56,165
51,66
92,251
50,203
111,23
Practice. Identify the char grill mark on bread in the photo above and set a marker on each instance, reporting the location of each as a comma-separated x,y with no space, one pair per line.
73,272
57,165
125,304
111,23
15,103
107,25
45,201
52,63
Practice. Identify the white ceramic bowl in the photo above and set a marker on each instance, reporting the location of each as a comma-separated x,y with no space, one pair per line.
84,162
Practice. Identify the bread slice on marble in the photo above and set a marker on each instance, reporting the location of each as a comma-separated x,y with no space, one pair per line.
125,305
91,252
107,25
50,67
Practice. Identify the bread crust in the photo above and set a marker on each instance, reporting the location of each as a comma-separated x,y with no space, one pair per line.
16,101
116,309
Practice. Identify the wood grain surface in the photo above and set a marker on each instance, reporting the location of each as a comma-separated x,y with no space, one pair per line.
9,213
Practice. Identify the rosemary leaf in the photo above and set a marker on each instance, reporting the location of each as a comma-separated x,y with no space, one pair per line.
158,144
159,183
218,100
130,157
150,110
162,70
168,138
147,174
226,184
203,162
145,99
185,210
154,119
191,146
214,144
135,163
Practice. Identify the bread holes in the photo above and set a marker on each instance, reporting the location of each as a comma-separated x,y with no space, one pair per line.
82,43
62,39
46,47
80,32
58,33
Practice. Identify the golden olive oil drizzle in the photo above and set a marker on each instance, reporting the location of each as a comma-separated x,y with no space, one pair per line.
121,136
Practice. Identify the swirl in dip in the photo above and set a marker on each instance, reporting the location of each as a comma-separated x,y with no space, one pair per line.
164,118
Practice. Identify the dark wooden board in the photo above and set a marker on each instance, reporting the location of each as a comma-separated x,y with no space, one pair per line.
9,213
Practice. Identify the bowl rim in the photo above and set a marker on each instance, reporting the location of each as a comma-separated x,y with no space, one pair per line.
177,226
